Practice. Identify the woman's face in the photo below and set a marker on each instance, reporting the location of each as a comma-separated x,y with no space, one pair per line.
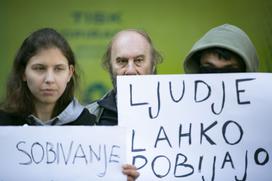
47,74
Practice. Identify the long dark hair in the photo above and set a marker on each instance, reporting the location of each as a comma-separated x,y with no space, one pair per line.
19,99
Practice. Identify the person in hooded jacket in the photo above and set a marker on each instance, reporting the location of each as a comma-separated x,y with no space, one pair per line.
223,49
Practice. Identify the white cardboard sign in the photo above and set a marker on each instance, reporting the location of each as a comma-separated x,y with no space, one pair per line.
59,153
198,127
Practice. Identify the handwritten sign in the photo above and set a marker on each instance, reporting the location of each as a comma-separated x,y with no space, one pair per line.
198,127
62,153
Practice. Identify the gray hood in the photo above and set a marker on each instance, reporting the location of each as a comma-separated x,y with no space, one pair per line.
225,36
69,114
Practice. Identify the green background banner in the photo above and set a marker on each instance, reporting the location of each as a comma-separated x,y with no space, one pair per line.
88,25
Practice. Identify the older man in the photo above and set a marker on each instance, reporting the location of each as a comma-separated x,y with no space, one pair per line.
130,52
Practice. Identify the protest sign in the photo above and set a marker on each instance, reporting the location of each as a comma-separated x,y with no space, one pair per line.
61,153
198,127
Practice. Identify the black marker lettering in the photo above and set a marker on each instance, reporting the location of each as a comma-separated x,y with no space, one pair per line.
239,91
227,159
131,101
139,157
256,156
224,132
189,134
153,166
223,101
159,104
171,92
50,149
197,82
200,163
132,143
165,137
66,159
37,145
203,133
102,174
113,155
245,173
80,154
182,164
92,152
25,152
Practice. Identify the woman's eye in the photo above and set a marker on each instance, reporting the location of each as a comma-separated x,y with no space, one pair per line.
38,68
59,68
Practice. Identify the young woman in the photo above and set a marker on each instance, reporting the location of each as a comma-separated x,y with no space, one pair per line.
40,89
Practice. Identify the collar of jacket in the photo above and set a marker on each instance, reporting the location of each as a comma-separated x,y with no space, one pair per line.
69,114
109,101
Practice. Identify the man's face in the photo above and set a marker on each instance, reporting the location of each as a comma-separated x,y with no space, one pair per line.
211,63
130,55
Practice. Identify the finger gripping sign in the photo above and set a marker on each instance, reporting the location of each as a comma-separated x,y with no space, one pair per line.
61,153
198,127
